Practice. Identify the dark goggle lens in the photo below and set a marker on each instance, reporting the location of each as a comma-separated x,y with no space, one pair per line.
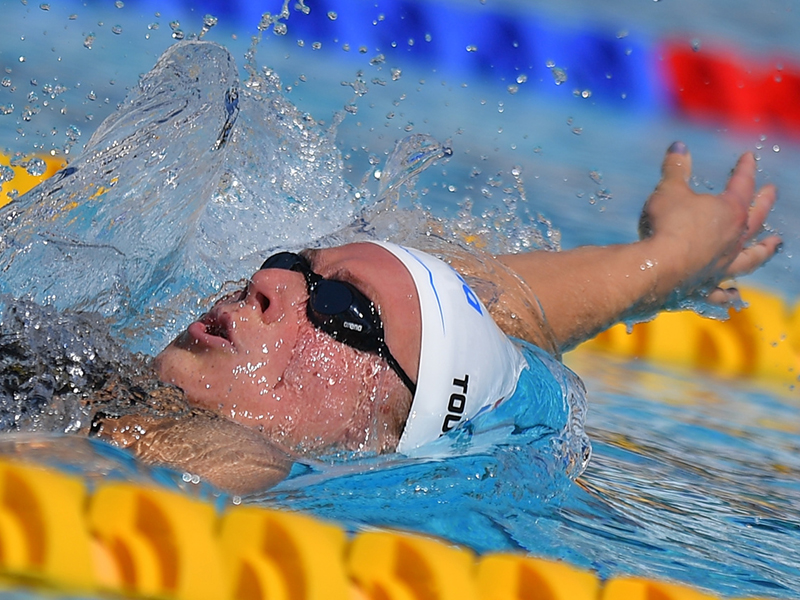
346,315
288,261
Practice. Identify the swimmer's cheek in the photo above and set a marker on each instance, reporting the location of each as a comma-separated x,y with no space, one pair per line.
231,457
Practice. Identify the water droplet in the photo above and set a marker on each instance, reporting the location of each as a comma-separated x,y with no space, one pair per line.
380,58
776,148
696,44
316,45
153,26
116,29
21,59
513,89
332,15
522,78
6,82
36,167
44,6
119,4
280,29
178,34
472,48
396,73
87,43
6,173
174,25
209,21
559,75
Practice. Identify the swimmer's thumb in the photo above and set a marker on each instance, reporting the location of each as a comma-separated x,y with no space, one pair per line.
677,165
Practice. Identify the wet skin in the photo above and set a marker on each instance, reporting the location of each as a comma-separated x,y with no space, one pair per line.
255,357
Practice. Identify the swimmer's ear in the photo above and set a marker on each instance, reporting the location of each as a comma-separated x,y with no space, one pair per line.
677,165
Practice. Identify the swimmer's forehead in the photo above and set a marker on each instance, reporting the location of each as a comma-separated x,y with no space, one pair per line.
382,278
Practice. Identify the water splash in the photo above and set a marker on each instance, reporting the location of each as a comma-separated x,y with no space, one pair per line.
190,145
410,157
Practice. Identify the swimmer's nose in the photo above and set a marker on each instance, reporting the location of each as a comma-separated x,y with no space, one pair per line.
275,292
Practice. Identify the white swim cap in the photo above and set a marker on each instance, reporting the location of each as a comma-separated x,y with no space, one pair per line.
466,362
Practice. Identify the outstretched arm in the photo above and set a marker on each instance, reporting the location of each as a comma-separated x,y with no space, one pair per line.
690,243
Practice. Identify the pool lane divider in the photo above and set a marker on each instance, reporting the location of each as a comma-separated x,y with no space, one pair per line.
760,342
717,82
18,174
121,539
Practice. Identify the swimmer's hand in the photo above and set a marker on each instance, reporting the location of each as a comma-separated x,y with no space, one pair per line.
704,239
689,245
231,457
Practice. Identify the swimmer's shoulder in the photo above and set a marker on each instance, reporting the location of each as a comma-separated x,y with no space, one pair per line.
510,301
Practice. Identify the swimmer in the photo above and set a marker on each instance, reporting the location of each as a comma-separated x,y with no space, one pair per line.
376,347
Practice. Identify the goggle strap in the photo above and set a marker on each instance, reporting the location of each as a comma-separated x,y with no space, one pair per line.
395,366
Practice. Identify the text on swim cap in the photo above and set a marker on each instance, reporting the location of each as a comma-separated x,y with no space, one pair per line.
457,403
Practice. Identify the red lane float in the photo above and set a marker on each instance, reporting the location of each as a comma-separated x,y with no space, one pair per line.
723,86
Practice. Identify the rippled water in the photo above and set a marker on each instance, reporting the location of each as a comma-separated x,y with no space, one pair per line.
693,478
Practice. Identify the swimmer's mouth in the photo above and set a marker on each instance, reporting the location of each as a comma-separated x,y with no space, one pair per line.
216,326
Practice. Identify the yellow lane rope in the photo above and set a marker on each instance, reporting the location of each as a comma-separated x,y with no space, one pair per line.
144,542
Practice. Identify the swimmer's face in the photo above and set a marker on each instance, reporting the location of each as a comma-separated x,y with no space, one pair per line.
255,357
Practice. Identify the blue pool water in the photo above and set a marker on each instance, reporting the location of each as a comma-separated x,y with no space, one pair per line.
692,478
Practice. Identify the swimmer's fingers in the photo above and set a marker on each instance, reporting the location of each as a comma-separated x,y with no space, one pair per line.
724,297
762,204
677,165
752,257
742,184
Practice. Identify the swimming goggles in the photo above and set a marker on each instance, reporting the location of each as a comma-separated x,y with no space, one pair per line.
341,311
